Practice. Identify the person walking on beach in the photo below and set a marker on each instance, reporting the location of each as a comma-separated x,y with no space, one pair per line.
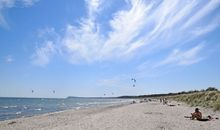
165,101
196,115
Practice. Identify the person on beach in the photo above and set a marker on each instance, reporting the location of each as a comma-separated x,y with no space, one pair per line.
164,101
196,115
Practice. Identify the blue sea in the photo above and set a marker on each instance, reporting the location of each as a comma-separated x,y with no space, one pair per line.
11,108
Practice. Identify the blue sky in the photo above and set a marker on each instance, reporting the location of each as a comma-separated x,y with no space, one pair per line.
95,47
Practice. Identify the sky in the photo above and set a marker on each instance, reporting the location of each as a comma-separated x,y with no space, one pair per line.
95,47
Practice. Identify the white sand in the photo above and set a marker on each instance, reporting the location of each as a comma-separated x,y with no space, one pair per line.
140,116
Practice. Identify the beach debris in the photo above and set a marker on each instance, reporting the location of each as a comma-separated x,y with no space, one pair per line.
187,116
171,105
155,113
12,122
161,127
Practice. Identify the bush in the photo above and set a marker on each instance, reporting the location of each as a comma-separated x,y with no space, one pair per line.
211,89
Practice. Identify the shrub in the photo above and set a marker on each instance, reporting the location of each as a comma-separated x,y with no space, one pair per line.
211,89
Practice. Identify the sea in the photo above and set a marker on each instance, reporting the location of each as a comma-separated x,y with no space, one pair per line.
11,108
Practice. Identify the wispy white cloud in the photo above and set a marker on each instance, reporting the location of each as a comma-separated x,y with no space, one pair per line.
176,58
9,59
4,4
201,30
126,26
188,57
85,42
109,82
206,9
28,3
43,54
93,7
140,28
160,19
3,23
115,81
81,44
48,48
7,4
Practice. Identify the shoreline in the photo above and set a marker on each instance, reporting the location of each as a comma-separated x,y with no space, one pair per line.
147,115
72,109
13,108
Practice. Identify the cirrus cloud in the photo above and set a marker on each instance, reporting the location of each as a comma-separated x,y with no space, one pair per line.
140,27
6,4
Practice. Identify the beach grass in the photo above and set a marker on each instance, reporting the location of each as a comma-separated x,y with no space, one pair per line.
208,99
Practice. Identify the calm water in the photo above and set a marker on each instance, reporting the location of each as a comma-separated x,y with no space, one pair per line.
23,107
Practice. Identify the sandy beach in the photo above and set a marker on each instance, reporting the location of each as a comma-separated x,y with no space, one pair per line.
138,116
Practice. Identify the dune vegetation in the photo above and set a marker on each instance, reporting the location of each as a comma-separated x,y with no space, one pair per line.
209,98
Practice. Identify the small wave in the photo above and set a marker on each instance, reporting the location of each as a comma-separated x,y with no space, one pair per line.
12,106
6,107
39,109
80,103
25,107
94,103
77,108
17,113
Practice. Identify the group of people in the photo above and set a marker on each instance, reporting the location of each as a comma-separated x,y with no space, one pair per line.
164,101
